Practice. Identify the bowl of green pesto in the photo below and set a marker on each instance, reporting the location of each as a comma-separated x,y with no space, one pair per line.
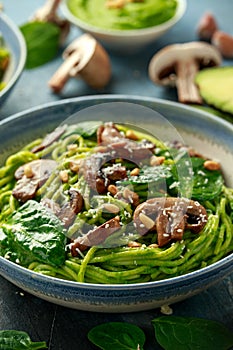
123,24
12,56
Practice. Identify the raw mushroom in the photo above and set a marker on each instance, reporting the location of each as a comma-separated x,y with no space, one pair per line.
48,13
84,58
178,64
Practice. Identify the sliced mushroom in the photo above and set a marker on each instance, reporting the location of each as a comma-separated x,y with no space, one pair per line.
31,176
115,146
84,58
169,217
50,139
178,64
96,236
68,211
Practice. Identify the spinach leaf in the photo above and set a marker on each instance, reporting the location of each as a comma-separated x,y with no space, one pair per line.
151,181
33,233
149,174
186,333
117,336
85,129
206,184
42,41
18,340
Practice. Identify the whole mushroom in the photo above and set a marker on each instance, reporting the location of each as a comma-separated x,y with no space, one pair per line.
84,58
178,64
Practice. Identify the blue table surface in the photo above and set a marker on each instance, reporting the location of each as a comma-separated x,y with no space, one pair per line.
60,327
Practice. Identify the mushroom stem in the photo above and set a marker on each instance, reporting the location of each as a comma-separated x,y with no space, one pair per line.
84,58
186,88
47,12
62,75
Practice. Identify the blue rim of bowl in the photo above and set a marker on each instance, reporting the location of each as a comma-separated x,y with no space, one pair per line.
228,260
23,53
182,5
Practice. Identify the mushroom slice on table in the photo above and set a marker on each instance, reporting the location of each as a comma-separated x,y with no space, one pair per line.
178,64
84,58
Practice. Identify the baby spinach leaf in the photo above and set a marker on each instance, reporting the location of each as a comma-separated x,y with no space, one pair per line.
117,336
206,184
33,233
18,340
186,333
149,174
42,41
85,129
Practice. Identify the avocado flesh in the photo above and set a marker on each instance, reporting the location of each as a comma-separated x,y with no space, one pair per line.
216,87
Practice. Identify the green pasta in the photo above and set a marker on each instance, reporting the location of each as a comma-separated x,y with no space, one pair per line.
4,62
120,198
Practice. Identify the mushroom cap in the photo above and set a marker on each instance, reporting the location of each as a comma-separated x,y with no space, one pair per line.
162,67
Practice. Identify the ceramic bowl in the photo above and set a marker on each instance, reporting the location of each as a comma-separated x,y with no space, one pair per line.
207,133
125,41
15,42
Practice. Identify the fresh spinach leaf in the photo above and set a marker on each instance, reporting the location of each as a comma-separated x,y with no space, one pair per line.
186,333
85,129
33,233
206,184
117,336
18,340
149,174
42,41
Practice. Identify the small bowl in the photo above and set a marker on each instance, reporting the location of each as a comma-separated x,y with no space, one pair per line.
207,133
125,41
15,42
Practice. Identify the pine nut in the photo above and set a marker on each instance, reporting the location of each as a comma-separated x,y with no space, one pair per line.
111,208
112,189
157,160
64,176
135,172
134,244
146,221
28,171
211,165
131,135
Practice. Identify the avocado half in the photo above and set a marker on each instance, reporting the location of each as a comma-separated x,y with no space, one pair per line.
216,87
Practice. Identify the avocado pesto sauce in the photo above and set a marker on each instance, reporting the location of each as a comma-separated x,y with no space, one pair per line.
133,15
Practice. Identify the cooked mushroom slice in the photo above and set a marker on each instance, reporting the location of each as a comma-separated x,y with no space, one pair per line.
108,133
84,58
48,13
30,177
50,138
178,64
96,236
169,217
70,209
